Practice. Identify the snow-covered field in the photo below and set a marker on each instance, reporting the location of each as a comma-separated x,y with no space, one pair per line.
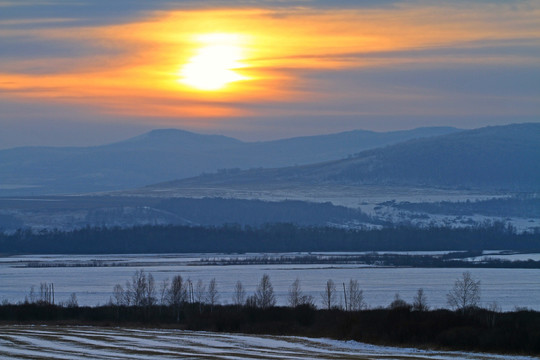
368,198
379,202
93,285
509,257
349,196
52,342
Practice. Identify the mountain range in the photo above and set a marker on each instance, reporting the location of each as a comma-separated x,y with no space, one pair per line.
164,155
501,158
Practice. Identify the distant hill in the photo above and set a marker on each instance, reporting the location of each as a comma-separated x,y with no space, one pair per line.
163,155
75,212
497,158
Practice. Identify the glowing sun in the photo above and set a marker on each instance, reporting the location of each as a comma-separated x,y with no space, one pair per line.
214,64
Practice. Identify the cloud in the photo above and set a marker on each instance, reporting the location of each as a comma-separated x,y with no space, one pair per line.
121,60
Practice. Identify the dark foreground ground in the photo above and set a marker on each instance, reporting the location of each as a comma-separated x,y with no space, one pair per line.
474,330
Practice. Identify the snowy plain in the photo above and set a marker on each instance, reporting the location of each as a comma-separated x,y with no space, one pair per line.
55,342
94,281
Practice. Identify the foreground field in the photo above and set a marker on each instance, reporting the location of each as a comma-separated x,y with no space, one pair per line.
52,342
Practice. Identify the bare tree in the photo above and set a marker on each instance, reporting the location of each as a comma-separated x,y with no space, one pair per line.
135,289
72,302
43,293
494,309
329,295
344,298
141,289
200,291
176,296
189,289
465,294
46,293
354,297
177,293
420,301
119,296
32,297
307,300
164,291
264,294
251,301
212,295
239,295
296,297
399,303
150,294
295,294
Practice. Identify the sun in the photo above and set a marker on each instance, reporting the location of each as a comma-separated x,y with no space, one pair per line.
215,64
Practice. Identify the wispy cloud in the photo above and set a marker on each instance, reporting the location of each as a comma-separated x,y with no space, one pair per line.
415,58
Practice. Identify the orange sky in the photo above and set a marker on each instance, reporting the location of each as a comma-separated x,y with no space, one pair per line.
287,61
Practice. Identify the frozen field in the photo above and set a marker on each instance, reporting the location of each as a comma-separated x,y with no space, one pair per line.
510,288
510,257
39,342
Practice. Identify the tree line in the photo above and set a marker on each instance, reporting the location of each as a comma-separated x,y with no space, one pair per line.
267,238
523,205
450,260
142,291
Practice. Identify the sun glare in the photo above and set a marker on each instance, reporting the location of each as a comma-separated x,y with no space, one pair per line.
215,63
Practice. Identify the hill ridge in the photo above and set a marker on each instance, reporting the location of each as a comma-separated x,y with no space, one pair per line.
168,154
496,157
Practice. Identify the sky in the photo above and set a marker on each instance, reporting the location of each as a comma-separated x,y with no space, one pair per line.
89,72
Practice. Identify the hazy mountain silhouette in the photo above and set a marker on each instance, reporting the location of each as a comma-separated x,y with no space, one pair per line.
163,155
498,158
